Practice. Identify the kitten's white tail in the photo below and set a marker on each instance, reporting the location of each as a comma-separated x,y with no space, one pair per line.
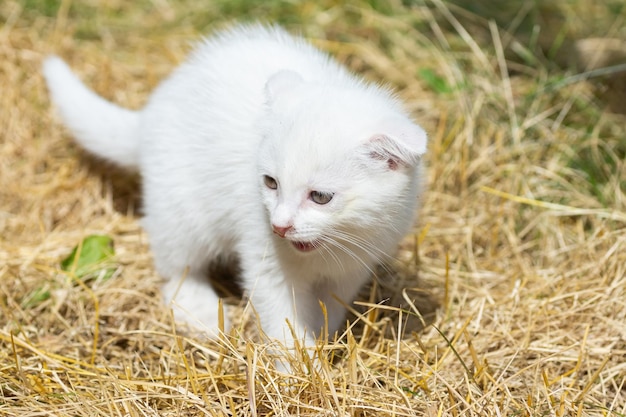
101,127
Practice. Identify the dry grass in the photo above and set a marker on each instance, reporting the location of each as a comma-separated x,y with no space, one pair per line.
521,239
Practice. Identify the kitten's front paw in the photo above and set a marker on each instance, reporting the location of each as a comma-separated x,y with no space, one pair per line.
205,322
197,306
296,356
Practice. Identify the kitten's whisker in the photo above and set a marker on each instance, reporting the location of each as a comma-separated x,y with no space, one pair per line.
361,243
325,248
364,245
350,253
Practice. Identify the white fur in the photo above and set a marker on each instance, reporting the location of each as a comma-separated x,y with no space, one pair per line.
101,127
254,102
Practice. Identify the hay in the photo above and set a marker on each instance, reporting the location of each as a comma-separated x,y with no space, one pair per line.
521,240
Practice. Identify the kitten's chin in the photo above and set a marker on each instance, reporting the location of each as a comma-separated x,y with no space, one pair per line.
304,246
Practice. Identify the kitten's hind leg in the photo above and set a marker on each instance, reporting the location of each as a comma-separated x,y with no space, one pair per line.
194,302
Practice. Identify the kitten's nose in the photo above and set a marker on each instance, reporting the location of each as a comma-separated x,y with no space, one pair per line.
281,231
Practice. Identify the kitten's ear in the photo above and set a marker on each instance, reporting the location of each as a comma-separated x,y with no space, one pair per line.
280,83
402,144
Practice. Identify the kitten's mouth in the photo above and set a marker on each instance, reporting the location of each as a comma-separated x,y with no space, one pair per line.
304,246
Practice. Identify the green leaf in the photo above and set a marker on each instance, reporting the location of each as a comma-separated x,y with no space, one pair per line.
434,81
36,297
91,259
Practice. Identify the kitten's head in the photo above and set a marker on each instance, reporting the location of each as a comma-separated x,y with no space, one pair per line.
339,166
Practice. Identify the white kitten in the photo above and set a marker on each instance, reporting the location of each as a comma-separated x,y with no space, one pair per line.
260,147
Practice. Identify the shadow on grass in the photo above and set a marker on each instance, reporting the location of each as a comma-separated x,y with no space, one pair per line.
125,186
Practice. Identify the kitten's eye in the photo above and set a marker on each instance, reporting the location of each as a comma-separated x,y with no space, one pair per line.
270,182
320,197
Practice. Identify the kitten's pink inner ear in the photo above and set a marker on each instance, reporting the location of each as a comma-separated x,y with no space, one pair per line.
400,143
281,83
384,154
393,151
